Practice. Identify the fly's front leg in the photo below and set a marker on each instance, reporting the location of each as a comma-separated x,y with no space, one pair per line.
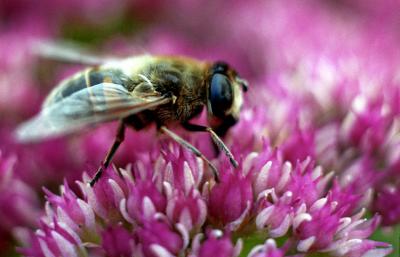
119,138
217,140
192,148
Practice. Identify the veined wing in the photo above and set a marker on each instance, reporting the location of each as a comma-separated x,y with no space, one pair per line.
87,107
68,52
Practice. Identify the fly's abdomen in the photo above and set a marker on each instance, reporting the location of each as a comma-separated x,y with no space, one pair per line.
84,79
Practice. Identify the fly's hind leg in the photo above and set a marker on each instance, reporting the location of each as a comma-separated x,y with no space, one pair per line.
192,148
117,142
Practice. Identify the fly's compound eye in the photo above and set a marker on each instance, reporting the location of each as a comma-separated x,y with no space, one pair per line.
220,67
221,95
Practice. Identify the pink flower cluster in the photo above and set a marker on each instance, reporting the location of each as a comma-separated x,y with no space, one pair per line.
168,206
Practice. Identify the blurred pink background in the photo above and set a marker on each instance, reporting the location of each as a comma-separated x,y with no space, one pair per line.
311,65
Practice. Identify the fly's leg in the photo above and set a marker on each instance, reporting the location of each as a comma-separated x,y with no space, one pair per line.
217,140
117,142
192,148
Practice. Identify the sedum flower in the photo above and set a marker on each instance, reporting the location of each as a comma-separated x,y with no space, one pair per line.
19,205
230,201
144,200
269,249
219,244
387,204
158,238
117,241
145,210
187,210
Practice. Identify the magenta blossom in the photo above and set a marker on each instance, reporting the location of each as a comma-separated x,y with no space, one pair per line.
167,218
18,203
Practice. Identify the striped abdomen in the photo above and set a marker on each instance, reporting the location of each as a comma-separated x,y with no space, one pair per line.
84,79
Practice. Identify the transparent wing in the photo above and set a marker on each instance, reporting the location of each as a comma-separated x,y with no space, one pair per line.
87,107
68,52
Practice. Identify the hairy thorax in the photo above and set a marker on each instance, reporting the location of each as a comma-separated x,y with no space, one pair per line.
173,76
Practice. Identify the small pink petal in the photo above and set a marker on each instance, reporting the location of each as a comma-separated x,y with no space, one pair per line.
160,251
282,228
263,217
305,245
301,218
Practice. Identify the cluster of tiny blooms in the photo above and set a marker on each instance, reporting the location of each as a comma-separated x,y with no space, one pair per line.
317,142
169,206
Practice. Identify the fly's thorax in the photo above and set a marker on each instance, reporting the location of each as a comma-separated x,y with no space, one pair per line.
182,77
185,78
131,66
